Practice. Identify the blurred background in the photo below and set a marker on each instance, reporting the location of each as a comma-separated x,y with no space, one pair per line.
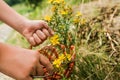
91,10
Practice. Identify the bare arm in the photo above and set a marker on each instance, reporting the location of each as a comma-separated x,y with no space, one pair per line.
18,62
35,31
10,17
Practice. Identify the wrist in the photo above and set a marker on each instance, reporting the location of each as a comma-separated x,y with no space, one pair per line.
22,25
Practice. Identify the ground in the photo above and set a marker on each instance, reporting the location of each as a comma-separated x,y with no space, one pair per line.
5,30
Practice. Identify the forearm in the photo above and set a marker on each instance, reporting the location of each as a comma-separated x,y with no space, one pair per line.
10,17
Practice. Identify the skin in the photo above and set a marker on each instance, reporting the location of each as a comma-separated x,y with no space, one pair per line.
17,62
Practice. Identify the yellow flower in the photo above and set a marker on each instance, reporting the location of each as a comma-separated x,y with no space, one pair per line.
47,18
58,1
53,8
61,57
68,56
78,14
76,20
63,2
82,21
63,12
57,63
55,40
50,1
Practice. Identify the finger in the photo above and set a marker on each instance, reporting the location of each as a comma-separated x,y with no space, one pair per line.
45,25
46,63
40,34
32,41
45,31
37,39
39,69
49,29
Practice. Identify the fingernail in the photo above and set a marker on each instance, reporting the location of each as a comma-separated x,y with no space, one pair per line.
52,32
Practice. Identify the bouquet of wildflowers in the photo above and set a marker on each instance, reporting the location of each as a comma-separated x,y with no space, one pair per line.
63,45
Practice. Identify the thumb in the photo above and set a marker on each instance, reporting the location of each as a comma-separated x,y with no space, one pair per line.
46,63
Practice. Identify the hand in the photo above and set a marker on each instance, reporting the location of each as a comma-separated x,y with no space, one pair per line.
19,63
36,31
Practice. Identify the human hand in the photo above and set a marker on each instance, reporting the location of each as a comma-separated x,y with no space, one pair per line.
20,63
36,31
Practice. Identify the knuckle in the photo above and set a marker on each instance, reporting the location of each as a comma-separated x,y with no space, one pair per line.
44,38
47,63
30,40
36,53
39,42
37,31
33,44
44,22
34,59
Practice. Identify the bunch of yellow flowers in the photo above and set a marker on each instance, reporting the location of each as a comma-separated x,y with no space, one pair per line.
54,40
62,58
66,25
60,21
